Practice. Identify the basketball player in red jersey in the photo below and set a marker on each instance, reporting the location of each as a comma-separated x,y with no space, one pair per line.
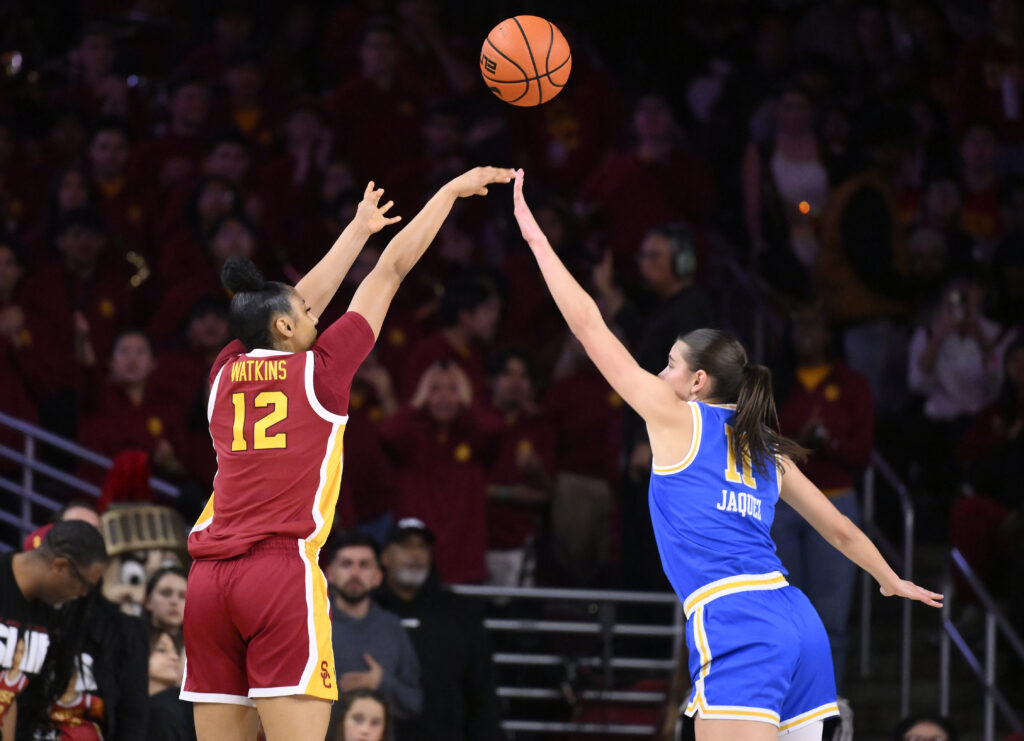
257,627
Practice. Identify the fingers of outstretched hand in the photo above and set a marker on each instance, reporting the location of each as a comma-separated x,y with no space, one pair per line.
386,207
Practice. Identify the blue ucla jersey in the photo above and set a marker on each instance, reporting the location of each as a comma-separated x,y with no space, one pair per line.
712,515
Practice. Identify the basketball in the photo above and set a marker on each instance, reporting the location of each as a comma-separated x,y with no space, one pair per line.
525,60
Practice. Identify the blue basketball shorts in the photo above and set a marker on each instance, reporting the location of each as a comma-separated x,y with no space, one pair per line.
758,651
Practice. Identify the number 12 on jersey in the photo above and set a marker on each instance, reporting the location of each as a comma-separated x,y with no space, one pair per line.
732,475
278,403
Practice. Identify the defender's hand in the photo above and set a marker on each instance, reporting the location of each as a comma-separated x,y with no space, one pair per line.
527,224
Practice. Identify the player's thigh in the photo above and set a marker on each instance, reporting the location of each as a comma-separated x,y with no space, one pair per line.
224,722
294,717
733,730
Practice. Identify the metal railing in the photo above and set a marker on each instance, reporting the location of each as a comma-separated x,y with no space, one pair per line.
32,468
995,624
903,562
605,627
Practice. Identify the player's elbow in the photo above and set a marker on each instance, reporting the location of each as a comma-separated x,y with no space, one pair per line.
843,533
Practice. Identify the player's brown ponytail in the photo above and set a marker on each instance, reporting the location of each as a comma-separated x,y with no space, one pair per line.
749,387
255,302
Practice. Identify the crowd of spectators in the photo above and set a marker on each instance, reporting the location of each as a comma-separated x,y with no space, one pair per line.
852,170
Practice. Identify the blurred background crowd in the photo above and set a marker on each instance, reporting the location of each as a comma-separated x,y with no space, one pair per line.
850,173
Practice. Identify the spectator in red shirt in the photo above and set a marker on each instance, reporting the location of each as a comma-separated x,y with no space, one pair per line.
181,373
980,215
93,85
441,449
828,408
177,153
653,183
15,347
469,312
231,235
987,82
124,205
69,190
519,482
247,105
127,414
381,91
82,290
233,27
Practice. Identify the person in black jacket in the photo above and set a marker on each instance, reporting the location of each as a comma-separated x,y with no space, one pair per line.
459,697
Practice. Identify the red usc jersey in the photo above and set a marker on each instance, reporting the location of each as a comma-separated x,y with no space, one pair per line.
277,420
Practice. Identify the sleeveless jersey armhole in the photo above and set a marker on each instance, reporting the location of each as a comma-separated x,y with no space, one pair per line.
691,455
314,402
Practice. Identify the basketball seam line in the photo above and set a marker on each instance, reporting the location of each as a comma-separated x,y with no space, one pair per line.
529,49
533,79
506,56
547,57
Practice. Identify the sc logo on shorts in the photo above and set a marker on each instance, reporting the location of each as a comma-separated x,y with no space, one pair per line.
325,674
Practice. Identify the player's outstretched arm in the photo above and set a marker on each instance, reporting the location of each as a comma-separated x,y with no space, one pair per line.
649,396
802,495
373,297
320,284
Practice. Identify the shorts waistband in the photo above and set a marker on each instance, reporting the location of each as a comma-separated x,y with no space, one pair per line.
276,543
732,585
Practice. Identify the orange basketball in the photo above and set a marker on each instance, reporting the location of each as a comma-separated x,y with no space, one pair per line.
525,60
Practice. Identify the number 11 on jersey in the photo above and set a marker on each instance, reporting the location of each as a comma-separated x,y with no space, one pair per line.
732,475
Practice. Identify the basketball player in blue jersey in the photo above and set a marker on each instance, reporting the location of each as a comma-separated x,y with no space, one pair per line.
759,656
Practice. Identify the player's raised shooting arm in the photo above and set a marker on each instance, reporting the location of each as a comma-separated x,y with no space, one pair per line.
320,284
373,297
652,399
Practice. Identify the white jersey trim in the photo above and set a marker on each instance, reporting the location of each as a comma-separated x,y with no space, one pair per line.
209,696
260,352
213,393
338,419
691,454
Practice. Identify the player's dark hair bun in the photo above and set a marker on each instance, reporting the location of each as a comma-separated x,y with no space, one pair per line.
239,275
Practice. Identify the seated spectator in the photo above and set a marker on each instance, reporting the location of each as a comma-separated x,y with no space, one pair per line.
828,409
182,373
126,206
231,235
785,186
170,719
382,90
955,365
177,153
922,726
68,564
364,717
980,213
70,190
469,312
106,685
519,483
1007,267
653,183
441,449
459,697
189,221
371,648
86,301
587,415
984,525
247,104
126,414
861,271
165,600
16,352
